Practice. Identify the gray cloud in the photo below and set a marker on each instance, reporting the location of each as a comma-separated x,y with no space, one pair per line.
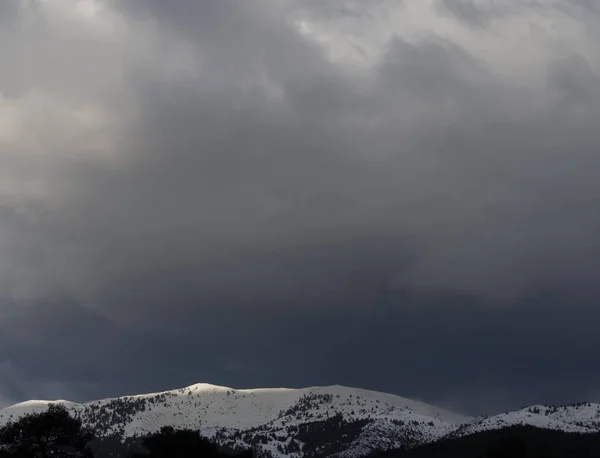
191,172
467,11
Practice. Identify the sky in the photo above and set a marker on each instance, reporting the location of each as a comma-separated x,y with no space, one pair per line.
398,195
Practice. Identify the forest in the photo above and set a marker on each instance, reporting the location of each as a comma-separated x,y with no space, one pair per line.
55,434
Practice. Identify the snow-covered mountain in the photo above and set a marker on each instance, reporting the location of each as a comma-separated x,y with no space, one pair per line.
575,418
585,414
313,422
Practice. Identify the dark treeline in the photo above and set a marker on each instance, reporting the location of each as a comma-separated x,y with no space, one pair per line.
55,434
513,442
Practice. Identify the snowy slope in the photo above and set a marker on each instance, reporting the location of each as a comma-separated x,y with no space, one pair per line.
290,422
280,422
575,418
585,414
519,418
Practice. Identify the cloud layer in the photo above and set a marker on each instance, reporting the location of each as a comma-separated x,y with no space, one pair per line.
179,173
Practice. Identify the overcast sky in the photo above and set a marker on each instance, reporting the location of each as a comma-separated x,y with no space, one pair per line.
396,195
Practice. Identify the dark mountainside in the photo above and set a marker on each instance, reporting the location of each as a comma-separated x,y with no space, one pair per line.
512,442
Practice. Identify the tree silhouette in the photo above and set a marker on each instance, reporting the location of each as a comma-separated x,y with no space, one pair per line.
49,434
508,448
183,443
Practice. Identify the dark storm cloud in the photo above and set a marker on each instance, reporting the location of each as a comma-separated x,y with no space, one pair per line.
506,358
219,192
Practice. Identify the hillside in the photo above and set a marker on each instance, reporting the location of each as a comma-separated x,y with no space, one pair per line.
310,422
318,421
509,442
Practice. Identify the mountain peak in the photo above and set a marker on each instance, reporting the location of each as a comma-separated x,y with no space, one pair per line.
267,418
236,418
207,387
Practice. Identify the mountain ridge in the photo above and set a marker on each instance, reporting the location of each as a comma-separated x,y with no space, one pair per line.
315,421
